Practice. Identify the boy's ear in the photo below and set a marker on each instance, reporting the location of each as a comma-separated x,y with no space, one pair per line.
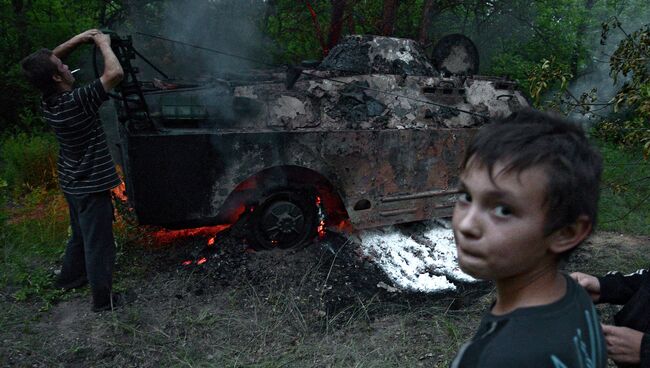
57,78
570,235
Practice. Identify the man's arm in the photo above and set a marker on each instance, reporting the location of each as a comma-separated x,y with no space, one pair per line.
113,72
614,288
645,351
64,49
617,288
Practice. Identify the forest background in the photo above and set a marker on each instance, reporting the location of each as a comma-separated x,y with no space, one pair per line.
589,59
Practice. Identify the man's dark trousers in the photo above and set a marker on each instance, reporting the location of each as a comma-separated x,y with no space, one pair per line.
91,248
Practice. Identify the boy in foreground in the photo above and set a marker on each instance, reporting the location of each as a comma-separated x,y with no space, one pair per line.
529,193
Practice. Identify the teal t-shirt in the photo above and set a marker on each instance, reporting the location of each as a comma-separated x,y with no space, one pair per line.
562,334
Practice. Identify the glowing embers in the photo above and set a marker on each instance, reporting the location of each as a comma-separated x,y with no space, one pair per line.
119,192
321,229
321,219
211,232
199,261
164,236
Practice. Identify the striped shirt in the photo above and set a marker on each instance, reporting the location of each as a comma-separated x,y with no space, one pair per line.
85,164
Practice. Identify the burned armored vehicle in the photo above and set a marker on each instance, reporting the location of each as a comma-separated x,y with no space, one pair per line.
372,135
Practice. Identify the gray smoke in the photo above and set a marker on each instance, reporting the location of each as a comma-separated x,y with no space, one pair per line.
229,26
596,76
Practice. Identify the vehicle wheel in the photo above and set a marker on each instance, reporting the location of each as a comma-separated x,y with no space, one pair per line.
284,219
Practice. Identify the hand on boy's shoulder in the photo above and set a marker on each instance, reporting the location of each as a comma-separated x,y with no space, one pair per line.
589,283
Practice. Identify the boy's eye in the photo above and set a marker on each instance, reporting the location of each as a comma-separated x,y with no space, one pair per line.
464,197
502,211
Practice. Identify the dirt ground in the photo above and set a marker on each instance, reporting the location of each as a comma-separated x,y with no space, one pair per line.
316,307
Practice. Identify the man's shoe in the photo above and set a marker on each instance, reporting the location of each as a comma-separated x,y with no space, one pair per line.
117,300
70,284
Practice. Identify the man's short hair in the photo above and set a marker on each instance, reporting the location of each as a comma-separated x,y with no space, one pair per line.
39,69
529,138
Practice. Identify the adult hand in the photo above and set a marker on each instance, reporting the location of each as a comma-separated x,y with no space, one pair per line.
623,344
102,38
589,283
87,36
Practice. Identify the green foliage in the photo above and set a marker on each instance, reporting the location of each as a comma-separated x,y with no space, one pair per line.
27,26
627,134
292,28
33,234
549,44
625,193
549,75
29,162
631,60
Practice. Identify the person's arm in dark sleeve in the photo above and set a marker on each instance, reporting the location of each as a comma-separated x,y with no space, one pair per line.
645,351
616,288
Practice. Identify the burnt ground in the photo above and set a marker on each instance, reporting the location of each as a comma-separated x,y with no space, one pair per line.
315,307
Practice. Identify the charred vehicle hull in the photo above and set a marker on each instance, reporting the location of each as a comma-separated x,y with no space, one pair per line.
372,145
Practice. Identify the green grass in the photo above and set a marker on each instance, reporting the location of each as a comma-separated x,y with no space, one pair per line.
33,235
29,162
625,194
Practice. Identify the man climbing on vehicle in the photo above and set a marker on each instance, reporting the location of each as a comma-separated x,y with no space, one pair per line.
85,167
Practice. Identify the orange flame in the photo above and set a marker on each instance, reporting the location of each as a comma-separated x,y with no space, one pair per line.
211,241
164,236
187,263
201,261
344,226
120,192
321,229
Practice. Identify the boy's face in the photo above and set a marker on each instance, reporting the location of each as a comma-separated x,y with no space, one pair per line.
499,223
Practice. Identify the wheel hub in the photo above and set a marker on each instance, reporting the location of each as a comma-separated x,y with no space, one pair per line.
283,221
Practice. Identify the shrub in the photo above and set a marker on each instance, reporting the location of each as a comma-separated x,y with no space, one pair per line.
29,162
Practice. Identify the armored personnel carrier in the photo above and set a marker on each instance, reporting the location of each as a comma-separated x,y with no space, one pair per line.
371,135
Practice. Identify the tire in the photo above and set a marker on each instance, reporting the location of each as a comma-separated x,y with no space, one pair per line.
284,219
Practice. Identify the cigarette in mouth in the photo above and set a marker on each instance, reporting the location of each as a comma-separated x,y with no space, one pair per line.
74,71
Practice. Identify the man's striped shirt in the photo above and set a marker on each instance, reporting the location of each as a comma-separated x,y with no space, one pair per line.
85,164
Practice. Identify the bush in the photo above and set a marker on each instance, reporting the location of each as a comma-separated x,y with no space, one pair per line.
629,134
29,162
625,194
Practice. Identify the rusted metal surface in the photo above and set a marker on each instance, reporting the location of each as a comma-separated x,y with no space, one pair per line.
375,123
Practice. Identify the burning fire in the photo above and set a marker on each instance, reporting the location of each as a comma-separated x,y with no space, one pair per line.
165,236
120,192
321,229
321,216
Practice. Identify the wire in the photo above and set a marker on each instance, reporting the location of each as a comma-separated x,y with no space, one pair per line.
318,76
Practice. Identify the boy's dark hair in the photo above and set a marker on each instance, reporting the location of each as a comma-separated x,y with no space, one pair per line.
39,69
530,138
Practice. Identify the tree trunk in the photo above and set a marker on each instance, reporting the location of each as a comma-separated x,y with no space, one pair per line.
336,24
427,18
389,17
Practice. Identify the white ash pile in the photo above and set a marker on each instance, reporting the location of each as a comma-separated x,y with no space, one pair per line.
423,260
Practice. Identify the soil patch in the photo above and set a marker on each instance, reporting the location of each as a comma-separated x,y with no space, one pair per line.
323,306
